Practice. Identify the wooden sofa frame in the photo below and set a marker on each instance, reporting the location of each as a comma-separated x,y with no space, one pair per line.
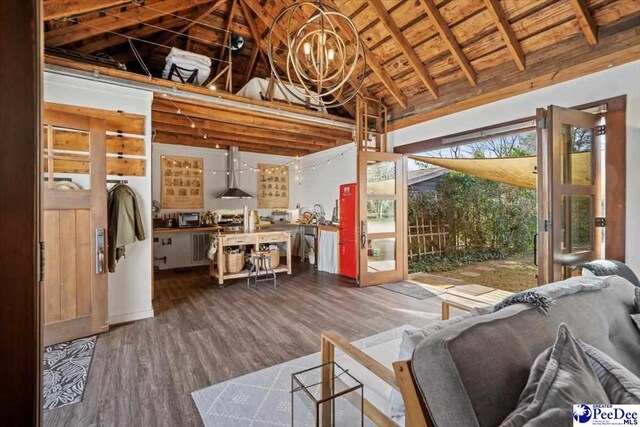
400,379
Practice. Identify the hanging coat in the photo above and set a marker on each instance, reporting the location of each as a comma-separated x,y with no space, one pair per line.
125,222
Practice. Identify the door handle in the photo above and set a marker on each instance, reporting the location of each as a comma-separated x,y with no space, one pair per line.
100,250
535,249
363,234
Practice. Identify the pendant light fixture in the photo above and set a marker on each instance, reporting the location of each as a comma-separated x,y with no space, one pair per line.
322,60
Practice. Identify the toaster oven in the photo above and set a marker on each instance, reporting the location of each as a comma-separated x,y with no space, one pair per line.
189,219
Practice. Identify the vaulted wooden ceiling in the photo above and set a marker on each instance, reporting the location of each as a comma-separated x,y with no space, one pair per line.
422,55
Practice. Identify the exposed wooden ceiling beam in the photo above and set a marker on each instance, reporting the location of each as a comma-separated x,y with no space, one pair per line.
171,138
199,16
586,21
254,31
112,40
618,44
55,9
161,117
251,62
405,46
450,40
251,118
76,32
509,37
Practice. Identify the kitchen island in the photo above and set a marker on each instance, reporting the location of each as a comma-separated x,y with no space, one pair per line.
216,270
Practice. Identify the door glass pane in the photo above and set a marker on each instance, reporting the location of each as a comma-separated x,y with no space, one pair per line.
65,159
381,255
577,223
576,155
381,178
381,216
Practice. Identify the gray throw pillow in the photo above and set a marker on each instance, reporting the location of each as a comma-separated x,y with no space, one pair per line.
621,385
560,377
605,267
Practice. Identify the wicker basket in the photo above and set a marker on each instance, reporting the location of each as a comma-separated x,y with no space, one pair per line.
233,263
273,253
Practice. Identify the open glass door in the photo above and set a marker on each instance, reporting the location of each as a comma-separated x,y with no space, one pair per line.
74,214
570,191
382,188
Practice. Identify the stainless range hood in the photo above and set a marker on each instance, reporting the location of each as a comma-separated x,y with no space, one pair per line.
232,191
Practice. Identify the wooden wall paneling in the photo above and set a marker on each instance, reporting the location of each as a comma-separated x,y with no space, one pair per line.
79,141
117,121
124,166
20,351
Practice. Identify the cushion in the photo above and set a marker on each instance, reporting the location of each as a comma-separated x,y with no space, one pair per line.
411,338
465,366
637,300
621,386
636,320
605,267
560,377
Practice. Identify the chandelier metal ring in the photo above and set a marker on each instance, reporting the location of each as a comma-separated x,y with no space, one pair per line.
319,60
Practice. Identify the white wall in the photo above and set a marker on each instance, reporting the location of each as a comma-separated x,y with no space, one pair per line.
322,184
622,80
130,285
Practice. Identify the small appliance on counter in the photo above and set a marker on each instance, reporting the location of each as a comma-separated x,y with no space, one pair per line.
189,219
278,217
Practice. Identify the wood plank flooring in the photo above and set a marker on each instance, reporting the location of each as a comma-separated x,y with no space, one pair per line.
143,372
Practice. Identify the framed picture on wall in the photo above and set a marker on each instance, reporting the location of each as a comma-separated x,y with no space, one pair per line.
181,183
273,186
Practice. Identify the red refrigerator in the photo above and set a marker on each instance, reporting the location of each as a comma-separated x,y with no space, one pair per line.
348,230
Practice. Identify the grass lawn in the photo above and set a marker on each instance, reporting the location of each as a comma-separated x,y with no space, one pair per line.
513,274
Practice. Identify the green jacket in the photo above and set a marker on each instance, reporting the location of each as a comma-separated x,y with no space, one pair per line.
125,222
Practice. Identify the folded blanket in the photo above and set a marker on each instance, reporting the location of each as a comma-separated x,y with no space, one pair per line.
610,268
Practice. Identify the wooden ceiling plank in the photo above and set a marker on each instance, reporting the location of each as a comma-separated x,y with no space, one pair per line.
216,134
168,38
450,40
404,45
586,21
619,44
77,32
266,148
509,37
112,40
56,9
164,118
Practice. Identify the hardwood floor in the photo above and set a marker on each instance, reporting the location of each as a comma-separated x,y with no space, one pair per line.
143,372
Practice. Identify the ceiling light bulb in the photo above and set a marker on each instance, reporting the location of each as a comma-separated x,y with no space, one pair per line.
331,54
217,145
307,48
193,125
212,87
314,166
179,111
204,136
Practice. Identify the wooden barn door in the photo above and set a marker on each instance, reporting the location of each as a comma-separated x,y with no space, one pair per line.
74,215
570,191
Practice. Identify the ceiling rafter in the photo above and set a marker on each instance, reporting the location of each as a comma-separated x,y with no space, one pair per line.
586,21
77,32
55,9
197,18
227,29
450,40
405,46
507,33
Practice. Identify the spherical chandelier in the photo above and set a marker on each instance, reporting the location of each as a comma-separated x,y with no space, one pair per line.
320,56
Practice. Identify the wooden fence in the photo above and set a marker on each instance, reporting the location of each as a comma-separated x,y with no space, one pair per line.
427,238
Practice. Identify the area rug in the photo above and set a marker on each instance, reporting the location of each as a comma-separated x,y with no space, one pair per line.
409,289
263,398
66,366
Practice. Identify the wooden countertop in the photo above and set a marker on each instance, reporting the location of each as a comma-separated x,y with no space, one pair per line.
185,230
255,233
